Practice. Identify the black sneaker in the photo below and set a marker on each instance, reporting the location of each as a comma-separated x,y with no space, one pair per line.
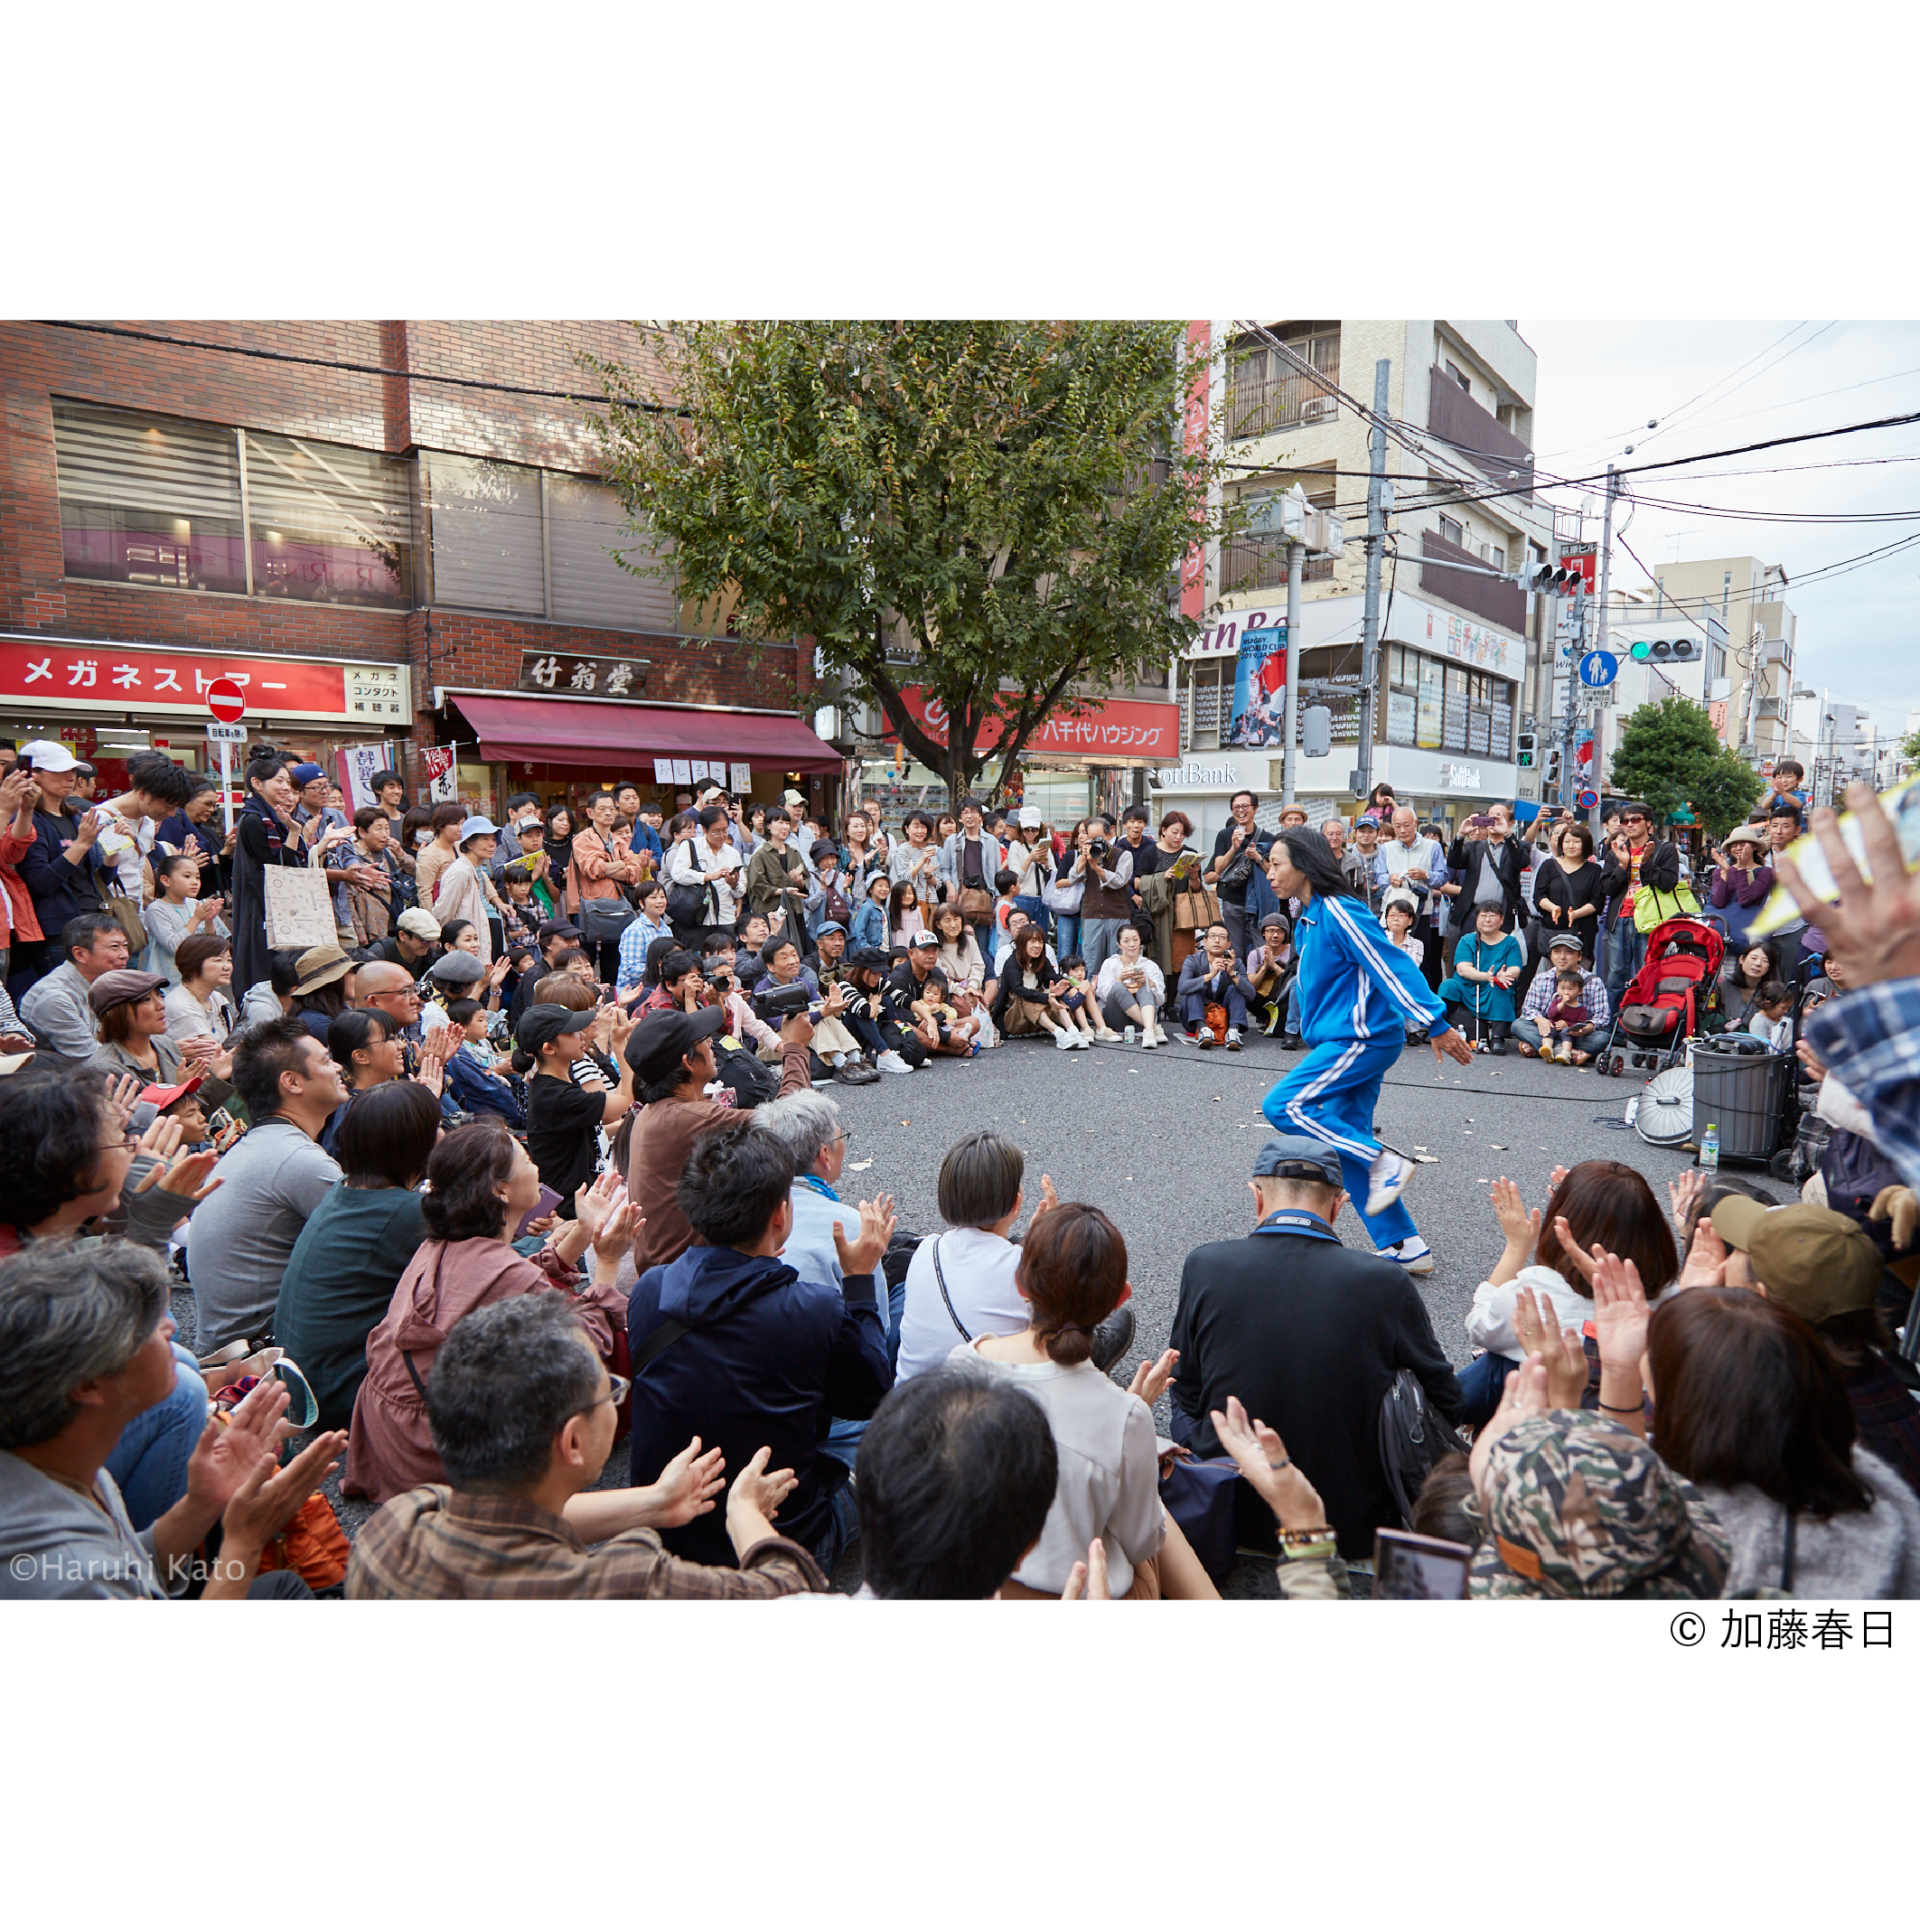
1112,1338
1290,1042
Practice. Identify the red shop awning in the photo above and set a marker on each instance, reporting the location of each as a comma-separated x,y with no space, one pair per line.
596,733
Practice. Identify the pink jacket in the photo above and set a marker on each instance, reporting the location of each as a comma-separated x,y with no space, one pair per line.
391,1447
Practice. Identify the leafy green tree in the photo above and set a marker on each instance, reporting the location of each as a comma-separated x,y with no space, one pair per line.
1670,756
994,512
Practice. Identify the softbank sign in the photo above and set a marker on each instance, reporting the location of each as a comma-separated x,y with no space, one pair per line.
1224,636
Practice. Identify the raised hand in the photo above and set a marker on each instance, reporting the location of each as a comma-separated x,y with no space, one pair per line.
1706,1258
876,1233
1048,1198
1581,1258
89,829
188,1174
594,1202
1152,1379
1559,1349
1620,1314
1682,1193
162,1138
123,1098
1520,1224
1897,1206
266,1500
610,1244
757,1489
1873,930
689,1485
1264,1463
1088,1580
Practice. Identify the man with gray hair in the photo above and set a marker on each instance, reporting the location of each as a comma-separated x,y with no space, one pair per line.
1308,1333
85,1348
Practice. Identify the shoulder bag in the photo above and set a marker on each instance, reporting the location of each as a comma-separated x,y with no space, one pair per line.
1413,1440
945,1296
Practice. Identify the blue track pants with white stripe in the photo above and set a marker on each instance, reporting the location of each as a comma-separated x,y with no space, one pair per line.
1329,1097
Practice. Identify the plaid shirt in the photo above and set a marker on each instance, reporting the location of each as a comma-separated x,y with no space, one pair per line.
1888,1415
1593,996
633,951
436,1544
1869,1039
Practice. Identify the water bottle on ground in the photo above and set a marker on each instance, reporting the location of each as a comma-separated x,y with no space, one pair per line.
1709,1161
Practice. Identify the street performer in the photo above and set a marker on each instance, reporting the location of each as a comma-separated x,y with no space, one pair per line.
1358,994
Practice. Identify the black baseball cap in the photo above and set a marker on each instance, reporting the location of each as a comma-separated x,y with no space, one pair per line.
875,958
549,1021
662,1040
1292,1156
558,929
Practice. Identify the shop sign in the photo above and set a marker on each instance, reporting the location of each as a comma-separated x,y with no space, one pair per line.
1224,637
1453,774
1223,774
1128,729
104,677
1478,646
585,673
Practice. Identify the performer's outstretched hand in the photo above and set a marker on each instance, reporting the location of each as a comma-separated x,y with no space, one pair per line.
1453,1045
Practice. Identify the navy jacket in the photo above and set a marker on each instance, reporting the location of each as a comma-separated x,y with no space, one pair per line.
60,890
767,1362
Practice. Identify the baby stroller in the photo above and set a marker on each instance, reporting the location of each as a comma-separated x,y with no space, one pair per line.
1662,1007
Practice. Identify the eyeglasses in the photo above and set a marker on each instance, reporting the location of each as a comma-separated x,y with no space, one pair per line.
618,1388
394,993
843,1136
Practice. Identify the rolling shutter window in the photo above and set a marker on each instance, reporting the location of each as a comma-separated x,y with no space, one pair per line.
486,535
587,525
148,500
330,523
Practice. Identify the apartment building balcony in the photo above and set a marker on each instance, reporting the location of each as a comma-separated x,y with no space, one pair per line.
1461,421
1496,601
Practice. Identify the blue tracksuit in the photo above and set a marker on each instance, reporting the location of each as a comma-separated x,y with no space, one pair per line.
1358,994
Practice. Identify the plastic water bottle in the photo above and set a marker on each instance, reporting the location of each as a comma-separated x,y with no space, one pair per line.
1709,1161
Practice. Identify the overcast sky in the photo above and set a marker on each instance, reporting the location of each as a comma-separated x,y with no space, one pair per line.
1601,381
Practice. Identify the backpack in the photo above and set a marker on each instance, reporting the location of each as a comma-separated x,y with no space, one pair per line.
1413,1440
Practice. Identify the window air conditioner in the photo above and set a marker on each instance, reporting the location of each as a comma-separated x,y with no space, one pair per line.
1324,407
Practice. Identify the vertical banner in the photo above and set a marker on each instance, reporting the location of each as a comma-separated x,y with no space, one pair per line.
356,767
442,778
1194,427
1260,689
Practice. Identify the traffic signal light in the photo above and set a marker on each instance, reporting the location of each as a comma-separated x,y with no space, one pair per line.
1682,649
1550,576
1529,747
1641,650
1316,732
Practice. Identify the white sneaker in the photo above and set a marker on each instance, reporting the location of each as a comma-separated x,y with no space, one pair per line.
1412,1255
1388,1181
1063,1040
1152,1038
891,1062
1233,1039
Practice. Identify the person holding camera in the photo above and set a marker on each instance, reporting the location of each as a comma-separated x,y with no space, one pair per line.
1104,866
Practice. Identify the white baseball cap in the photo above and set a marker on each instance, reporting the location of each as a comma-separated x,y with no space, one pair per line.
1032,817
48,756
477,824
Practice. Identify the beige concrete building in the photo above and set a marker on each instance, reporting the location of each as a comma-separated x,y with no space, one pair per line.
1459,654
1747,596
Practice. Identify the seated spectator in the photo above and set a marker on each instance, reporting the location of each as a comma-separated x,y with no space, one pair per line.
132,1014
84,1352
729,1329
913,973
1604,1203
1772,1016
1745,971
1753,1410
320,988
201,1022
961,1284
834,1043
1824,1267
414,942
1578,1508
55,1007
272,998
177,910
481,1186
954,1483
1209,978
564,1119
460,975
959,958
1073,1275
1486,963
356,1243
475,1076
1308,1334
1031,989
751,934
270,1182
1565,1014
828,904
522,1412
1131,990
1270,972
671,1056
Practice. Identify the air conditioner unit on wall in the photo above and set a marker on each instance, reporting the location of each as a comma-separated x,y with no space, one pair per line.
1323,408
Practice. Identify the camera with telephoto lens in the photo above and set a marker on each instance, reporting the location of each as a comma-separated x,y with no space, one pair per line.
783,1001
1097,851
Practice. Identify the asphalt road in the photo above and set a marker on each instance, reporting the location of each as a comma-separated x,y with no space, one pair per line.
1165,1142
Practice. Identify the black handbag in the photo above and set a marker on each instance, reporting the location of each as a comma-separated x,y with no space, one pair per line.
1199,1497
685,902
754,1083
602,922
1413,1440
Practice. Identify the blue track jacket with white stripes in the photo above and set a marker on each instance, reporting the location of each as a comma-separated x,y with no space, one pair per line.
1354,983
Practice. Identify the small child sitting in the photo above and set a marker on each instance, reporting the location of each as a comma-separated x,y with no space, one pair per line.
1398,914
1772,1017
1485,966
1079,1004
937,1021
1566,1017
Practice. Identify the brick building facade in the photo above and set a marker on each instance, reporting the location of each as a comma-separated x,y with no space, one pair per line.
449,531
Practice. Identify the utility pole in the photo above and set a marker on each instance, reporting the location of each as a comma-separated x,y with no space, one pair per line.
1376,539
1296,568
1606,556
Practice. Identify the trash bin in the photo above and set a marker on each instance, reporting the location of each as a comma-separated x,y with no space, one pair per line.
1741,1088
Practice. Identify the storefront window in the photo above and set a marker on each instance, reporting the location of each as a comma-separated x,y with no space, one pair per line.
1428,725
1454,726
330,523
148,501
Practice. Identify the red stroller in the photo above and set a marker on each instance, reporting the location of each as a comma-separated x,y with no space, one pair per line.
1662,1007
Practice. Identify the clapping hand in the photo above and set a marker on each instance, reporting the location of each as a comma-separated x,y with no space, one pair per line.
1897,1206
1517,1222
876,1234
185,1173
1560,1349
1706,1258
1088,1580
595,1202
123,1098
1262,1458
1048,1198
689,1485
758,1491
610,1244
1151,1381
1620,1313
1682,1193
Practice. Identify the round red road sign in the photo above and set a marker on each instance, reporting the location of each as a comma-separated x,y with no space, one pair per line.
225,701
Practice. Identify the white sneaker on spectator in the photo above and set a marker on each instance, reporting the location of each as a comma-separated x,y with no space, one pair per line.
1063,1040
891,1062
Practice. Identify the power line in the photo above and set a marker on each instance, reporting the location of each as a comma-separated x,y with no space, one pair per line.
351,366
